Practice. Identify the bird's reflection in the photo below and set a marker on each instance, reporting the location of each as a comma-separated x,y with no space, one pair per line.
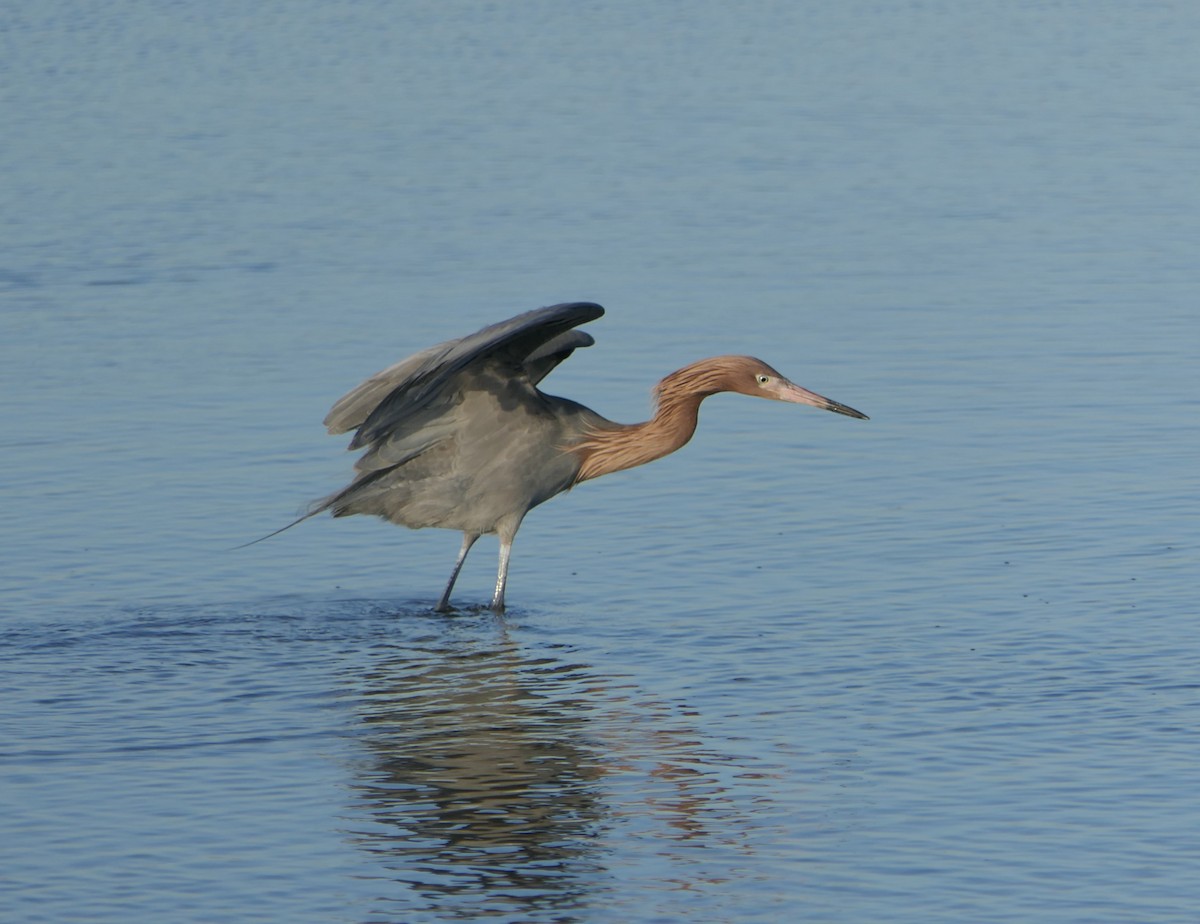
495,776
481,780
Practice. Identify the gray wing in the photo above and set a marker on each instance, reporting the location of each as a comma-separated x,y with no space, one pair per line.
354,407
533,343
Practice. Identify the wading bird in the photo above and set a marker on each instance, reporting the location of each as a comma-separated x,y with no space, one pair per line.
459,435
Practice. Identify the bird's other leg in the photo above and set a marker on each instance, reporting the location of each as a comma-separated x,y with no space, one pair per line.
506,534
443,605
502,575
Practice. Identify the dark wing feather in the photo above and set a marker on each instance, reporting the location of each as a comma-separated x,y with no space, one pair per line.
423,379
542,361
355,406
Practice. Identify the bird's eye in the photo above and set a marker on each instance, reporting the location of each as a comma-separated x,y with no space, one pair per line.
763,379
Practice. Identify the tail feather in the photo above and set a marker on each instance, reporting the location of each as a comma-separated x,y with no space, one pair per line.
337,502
314,508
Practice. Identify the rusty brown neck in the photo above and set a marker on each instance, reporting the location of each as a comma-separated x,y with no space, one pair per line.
623,446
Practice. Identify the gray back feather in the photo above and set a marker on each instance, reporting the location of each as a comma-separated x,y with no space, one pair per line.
533,343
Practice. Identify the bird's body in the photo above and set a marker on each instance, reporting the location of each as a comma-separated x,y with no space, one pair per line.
497,455
460,437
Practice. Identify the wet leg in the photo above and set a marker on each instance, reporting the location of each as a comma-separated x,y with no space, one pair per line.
443,605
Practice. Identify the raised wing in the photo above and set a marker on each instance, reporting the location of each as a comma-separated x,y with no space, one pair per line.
355,406
534,342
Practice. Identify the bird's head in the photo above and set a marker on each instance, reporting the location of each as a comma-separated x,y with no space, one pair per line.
748,376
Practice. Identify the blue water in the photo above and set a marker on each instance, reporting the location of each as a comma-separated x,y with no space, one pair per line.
936,666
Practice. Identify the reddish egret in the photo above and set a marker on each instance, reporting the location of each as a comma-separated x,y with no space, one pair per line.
459,436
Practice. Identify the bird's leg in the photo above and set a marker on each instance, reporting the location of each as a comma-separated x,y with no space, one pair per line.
502,573
443,605
506,531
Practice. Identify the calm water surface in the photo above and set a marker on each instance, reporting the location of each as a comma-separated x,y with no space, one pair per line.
936,666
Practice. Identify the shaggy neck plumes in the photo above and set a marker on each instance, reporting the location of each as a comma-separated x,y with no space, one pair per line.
677,404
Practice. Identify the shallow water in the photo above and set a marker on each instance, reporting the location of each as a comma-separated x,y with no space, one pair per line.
936,666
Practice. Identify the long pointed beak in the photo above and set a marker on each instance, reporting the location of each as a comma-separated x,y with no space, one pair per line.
789,391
